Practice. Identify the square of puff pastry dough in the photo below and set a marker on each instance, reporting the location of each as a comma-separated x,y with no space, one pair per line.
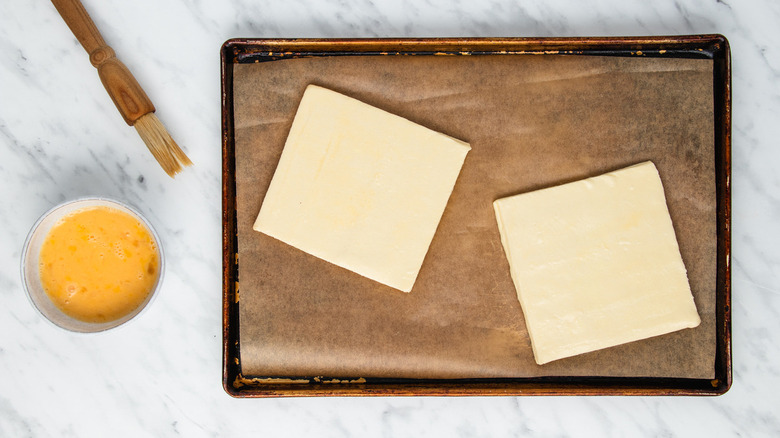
360,188
596,263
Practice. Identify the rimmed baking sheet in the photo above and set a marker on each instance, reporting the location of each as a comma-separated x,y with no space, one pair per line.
537,113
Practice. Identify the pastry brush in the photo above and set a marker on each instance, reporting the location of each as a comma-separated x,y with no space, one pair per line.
129,98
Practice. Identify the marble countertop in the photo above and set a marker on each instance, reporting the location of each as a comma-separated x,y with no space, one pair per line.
160,375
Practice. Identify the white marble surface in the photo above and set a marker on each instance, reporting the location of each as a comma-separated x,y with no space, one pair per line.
61,138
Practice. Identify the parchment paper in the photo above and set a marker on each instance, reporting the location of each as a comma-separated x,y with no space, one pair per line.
532,122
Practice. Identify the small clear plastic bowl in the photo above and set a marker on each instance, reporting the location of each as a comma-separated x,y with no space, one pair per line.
31,271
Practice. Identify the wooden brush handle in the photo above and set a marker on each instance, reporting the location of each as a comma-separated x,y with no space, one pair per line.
129,98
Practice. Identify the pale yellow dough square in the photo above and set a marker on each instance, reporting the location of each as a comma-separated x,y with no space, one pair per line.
596,263
360,188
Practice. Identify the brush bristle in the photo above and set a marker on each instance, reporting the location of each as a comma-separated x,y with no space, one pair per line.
161,145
